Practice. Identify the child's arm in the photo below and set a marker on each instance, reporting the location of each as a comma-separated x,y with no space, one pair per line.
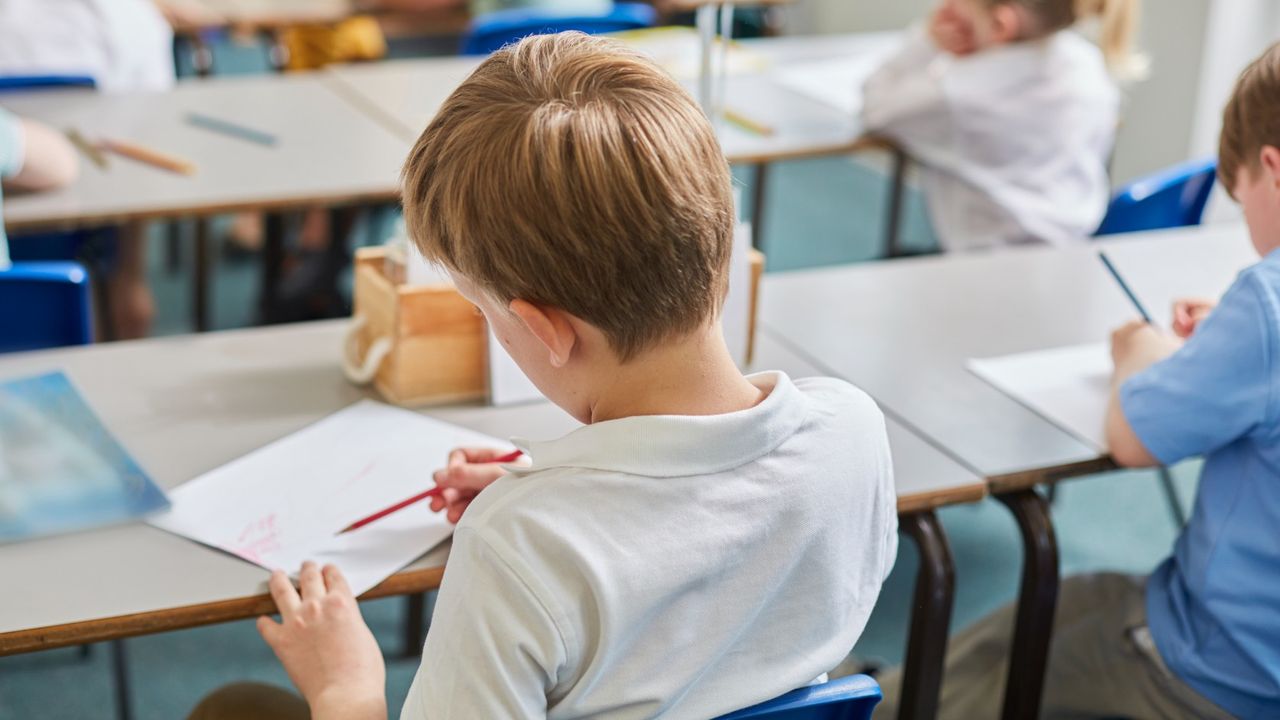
904,98
1215,389
323,643
1134,348
41,158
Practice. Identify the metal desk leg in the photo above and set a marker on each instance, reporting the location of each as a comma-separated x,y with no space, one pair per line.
415,624
930,618
759,195
1037,601
203,269
893,211
272,268
120,674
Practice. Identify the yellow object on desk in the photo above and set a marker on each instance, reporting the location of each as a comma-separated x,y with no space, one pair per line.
144,154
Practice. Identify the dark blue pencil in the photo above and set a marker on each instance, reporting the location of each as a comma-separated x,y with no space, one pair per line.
230,128
1125,287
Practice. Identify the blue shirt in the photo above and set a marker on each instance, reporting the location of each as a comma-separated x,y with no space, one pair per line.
1214,606
11,145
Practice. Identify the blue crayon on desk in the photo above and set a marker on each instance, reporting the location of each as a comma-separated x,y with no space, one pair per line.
1125,287
229,128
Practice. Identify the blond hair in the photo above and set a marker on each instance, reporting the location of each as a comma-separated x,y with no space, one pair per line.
571,171
1117,25
1251,119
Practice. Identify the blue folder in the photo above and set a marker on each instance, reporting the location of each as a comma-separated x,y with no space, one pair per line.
60,468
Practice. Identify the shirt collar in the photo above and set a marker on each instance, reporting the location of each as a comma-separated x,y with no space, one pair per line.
678,445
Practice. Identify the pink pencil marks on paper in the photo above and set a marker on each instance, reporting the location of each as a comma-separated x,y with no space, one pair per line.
258,537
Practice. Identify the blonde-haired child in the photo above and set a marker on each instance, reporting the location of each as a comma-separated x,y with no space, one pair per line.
1011,114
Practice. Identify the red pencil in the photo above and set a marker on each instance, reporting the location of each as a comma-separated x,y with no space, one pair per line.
433,492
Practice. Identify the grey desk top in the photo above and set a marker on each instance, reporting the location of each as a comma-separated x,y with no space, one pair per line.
904,329
404,95
185,405
326,151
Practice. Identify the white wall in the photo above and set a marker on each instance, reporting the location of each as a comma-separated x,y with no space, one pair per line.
1161,111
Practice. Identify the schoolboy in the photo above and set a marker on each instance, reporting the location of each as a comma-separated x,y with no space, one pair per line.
707,540
1199,637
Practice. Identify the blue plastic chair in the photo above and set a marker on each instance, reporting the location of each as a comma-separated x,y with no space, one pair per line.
45,304
491,31
27,83
1168,199
848,698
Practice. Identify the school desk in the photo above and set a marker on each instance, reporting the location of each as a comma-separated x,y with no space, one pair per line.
403,96
185,405
903,330
326,153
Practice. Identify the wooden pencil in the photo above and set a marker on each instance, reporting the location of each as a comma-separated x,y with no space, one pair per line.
747,123
91,151
151,157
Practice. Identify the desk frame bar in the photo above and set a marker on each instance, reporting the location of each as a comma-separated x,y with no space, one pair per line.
1037,603
930,619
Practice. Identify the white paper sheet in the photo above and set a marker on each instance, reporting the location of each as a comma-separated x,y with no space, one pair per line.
1067,386
837,81
285,503
508,384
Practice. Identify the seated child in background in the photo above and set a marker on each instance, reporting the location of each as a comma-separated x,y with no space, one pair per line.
1200,637
1011,114
707,540
33,157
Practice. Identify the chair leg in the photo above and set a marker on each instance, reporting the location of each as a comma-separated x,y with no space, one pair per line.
120,675
759,196
1171,494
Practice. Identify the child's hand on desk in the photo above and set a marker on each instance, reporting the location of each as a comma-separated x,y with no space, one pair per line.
324,645
1188,313
1137,346
469,471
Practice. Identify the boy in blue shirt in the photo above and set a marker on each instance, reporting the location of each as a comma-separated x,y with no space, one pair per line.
1200,637
1213,608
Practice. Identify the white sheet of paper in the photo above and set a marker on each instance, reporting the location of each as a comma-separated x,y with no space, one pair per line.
508,384
836,81
1067,386
285,503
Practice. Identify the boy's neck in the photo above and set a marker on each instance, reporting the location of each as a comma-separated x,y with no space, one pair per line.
694,376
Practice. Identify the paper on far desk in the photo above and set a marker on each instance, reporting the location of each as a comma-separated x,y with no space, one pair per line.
1067,386
285,503
836,81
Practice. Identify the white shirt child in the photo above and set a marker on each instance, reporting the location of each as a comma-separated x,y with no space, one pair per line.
672,566
1013,140
124,45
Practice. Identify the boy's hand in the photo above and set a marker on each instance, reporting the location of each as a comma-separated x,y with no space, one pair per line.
952,33
469,471
324,645
1188,313
1137,346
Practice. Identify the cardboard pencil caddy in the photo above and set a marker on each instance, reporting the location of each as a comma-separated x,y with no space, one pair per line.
426,344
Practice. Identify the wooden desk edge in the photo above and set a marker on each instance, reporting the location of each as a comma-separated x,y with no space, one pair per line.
90,631
961,495
1025,479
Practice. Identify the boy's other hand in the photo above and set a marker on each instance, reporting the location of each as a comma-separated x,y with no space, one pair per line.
1137,345
325,646
1188,313
469,471
951,32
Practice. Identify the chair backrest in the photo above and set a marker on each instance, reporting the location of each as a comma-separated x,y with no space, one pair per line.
847,698
1170,198
491,31
44,305
25,83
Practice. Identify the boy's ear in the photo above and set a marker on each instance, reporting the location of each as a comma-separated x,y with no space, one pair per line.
1006,23
1269,159
551,326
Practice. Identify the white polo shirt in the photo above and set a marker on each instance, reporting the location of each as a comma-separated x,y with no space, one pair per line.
674,566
